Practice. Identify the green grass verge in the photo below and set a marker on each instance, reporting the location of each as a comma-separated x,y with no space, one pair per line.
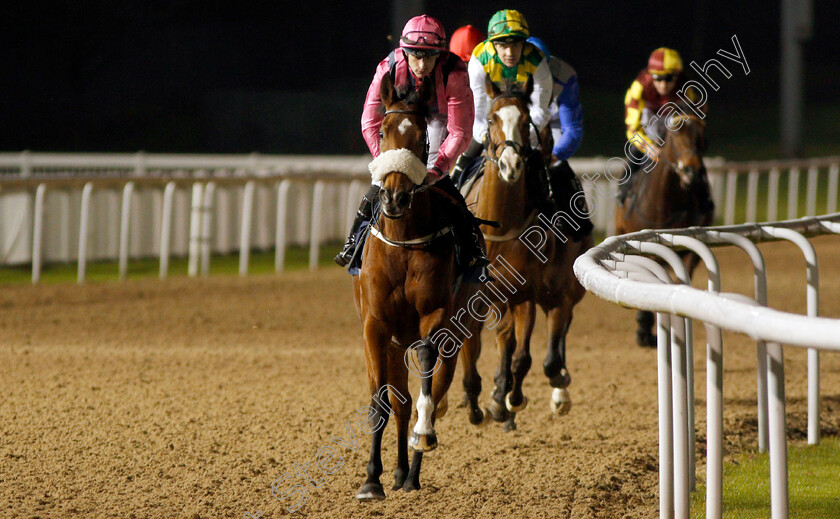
813,481
259,262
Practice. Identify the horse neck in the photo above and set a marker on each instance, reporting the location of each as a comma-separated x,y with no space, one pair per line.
664,183
416,222
502,202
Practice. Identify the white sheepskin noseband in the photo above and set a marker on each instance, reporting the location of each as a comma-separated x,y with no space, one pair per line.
402,161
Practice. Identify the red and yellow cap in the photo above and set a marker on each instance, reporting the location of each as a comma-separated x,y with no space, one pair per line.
665,61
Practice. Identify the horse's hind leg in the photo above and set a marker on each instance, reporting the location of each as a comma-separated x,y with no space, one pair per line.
470,351
644,334
515,400
401,404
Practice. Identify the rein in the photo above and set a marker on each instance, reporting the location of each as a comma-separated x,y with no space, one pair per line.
510,235
415,244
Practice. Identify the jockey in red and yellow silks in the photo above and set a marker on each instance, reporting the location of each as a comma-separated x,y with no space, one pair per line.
422,53
643,99
661,83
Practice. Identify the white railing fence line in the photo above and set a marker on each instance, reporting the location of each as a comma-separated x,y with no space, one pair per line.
133,212
616,271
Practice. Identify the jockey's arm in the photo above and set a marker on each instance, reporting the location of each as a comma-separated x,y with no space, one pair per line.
460,114
371,116
541,95
633,106
481,101
570,113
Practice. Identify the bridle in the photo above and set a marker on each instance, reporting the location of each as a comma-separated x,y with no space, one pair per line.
419,114
417,189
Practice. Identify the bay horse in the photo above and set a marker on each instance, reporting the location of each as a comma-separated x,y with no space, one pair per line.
404,291
523,278
668,197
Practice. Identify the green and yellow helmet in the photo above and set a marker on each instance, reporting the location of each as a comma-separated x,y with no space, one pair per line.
507,25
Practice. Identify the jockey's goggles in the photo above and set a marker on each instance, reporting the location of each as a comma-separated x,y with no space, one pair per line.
508,29
422,53
422,39
664,77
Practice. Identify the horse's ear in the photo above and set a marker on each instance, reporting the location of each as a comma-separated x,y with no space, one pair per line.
425,90
529,87
387,93
491,88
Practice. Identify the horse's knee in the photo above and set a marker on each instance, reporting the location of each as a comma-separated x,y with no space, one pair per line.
521,363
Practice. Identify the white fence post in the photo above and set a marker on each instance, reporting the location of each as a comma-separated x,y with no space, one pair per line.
38,232
280,231
83,232
207,227
166,228
778,431
125,227
315,229
196,217
245,233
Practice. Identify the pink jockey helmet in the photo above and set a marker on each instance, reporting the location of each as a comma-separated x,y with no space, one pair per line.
423,32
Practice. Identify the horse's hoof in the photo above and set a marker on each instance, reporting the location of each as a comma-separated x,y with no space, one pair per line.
497,411
561,380
478,417
442,407
370,492
411,485
561,402
515,408
423,442
509,426
646,340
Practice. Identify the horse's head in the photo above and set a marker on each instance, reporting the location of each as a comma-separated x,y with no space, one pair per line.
508,131
684,146
400,165
404,121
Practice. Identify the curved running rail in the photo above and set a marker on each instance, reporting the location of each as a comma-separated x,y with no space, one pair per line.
616,271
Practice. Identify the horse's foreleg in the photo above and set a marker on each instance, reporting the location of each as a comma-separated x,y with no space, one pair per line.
644,334
401,404
506,343
423,438
377,338
559,318
470,351
515,401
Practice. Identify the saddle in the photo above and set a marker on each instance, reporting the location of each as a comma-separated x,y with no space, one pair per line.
463,273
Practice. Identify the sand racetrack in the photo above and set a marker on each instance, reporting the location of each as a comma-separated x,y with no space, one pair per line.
188,398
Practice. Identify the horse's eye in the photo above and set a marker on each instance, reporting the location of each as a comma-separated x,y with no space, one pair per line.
380,134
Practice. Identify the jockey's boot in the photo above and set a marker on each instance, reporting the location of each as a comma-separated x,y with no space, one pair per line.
466,226
362,215
460,169
707,205
536,170
568,190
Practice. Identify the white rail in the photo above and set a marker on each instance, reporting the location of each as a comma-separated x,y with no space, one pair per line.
293,200
614,271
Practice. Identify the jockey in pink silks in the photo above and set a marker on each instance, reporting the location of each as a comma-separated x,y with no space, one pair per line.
422,53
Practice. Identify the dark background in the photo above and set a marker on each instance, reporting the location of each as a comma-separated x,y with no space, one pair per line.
189,76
